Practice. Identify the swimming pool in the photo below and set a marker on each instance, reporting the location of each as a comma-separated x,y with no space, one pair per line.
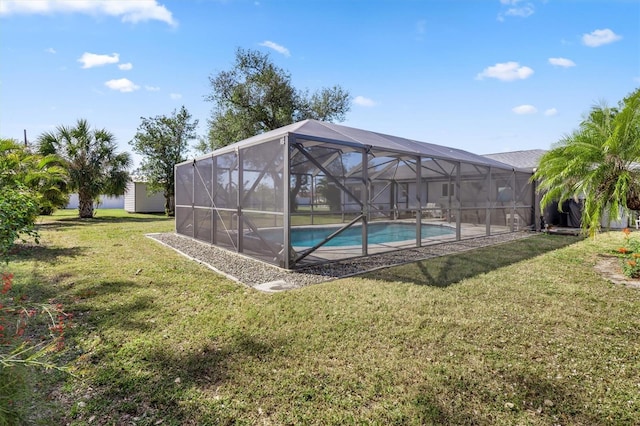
379,233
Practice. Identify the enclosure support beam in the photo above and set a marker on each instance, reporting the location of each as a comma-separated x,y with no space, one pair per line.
513,202
487,214
458,168
366,201
214,190
240,231
285,262
419,200
193,200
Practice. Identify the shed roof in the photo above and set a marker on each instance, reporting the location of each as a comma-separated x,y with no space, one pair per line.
339,134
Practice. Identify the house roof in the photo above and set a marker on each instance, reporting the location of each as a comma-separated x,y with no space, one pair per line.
330,132
528,159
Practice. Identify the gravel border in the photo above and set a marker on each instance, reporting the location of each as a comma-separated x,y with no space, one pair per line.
265,277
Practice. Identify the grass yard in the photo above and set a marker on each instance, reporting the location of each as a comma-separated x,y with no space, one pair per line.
522,333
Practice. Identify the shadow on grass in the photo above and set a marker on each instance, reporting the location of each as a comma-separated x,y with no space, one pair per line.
547,401
56,223
37,288
446,270
170,378
43,253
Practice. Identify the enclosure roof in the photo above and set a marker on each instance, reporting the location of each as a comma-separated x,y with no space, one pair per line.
335,133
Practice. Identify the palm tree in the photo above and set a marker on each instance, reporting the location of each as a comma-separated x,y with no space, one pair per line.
600,161
91,159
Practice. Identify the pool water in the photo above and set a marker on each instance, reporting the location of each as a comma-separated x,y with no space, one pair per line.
379,233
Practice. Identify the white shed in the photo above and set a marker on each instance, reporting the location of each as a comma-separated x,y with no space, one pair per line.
137,199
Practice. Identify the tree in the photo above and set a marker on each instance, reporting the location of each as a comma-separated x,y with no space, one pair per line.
163,141
600,161
94,166
44,176
256,96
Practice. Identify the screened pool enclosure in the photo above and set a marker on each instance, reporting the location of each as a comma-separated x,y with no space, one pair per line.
315,192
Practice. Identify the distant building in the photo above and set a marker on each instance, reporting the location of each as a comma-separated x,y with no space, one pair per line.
527,160
571,214
106,202
138,199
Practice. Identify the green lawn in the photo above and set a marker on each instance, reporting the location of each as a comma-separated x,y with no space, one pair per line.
522,333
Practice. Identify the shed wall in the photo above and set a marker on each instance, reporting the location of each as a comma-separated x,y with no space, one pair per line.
137,199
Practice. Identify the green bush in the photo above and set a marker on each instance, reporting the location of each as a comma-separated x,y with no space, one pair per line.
18,213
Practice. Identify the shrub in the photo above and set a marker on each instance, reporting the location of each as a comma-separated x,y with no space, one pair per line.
630,255
18,213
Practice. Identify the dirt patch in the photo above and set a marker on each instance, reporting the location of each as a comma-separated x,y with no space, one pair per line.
609,267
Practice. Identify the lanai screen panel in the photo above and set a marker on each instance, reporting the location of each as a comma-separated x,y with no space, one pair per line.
473,192
326,201
225,200
524,199
262,201
389,202
203,200
184,199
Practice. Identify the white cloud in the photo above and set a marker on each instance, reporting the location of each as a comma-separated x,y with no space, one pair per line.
365,102
507,71
126,67
175,96
514,9
525,109
562,62
129,11
550,112
122,85
90,60
51,50
275,46
522,12
599,37
151,88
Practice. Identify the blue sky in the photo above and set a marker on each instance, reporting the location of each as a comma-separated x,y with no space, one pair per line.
481,75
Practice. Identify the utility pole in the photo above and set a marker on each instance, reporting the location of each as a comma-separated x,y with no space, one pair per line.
26,144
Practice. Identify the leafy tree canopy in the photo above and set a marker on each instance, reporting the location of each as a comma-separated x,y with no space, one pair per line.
94,166
163,142
599,161
256,96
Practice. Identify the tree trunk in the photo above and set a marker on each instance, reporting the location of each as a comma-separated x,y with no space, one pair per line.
85,206
294,193
169,204
633,201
